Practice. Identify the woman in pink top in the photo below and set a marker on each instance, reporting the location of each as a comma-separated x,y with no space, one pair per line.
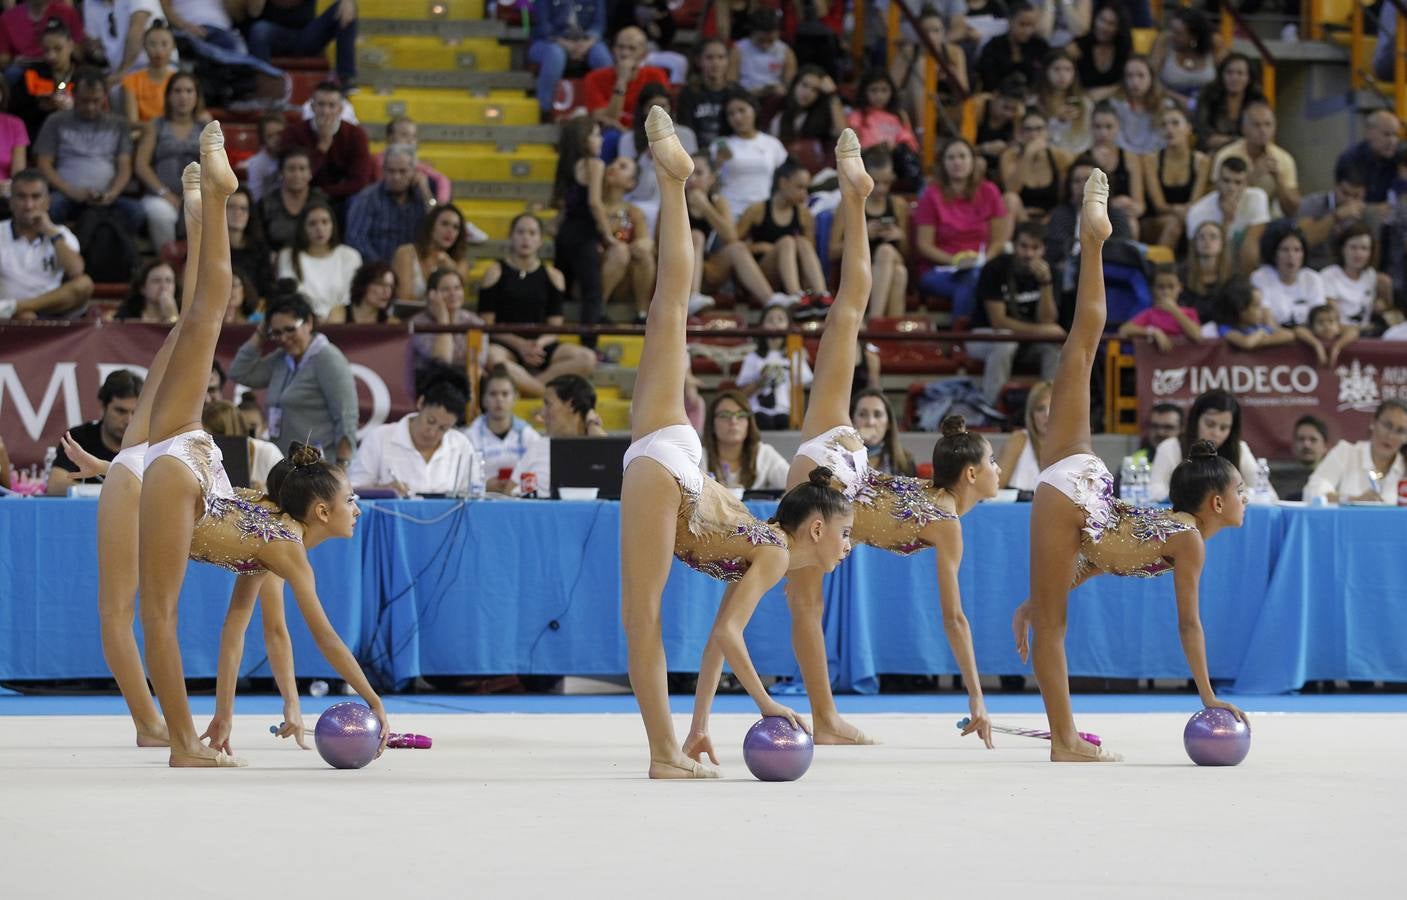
14,143
877,119
958,218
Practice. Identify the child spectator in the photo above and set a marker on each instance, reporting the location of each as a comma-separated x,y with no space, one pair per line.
144,91
781,233
765,376
1245,322
1165,319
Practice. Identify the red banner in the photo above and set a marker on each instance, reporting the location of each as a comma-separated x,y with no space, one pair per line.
1277,386
49,375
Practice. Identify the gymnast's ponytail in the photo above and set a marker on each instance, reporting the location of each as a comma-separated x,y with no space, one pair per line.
301,479
814,498
1204,472
955,451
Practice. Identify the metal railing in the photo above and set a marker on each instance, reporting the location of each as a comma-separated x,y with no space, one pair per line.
1230,21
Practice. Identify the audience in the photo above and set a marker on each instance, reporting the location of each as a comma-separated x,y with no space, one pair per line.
1124,169
632,249
1139,102
1020,50
1166,319
1015,296
1245,321
1100,54
878,120
1365,471
1020,457
887,222
1164,421
499,435
14,147
249,251
562,33
262,169
761,63
296,28
403,131
423,453
1185,53
907,65
1324,215
584,235
1241,211
747,158
1063,102
337,150
812,109
873,418
46,83
611,93
223,419
1032,171
144,90
1206,269
152,297
1310,443
384,215
245,303
718,254
438,242
1375,156
765,376
24,23
1271,168
1220,104
568,410
998,118
41,271
1289,289
1352,285
282,207
734,452
645,196
702,102
781,234
373,289
1326,335
960,216
169,143
103,436
311,395
319,262
1215,416
86,155
1172,178
114,30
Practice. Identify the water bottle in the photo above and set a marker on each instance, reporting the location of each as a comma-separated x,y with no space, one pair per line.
49,456
1126,480
1142,477
1261,491
478,484
317,688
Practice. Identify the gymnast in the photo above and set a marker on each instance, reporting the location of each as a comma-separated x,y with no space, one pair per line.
669,508
1078,529
894,513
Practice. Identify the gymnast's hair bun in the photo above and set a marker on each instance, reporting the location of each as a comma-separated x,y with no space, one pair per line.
820,476
1202,450
952,425
302,456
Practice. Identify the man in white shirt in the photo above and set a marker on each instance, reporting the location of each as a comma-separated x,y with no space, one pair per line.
1242,211
420,454
41,271
568,410
118,26
500,436
1271,168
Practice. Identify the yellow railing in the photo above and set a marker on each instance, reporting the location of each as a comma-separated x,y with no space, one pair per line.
1120,409
1230,19
932,65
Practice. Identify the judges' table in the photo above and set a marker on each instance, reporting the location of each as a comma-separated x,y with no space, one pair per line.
441,587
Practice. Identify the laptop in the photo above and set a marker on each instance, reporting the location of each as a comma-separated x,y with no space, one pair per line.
235,450
588,462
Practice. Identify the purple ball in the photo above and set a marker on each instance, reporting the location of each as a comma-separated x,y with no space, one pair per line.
1215,737
775,751
347,735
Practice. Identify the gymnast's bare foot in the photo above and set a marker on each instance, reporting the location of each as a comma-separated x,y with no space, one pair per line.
216,172
683,767
671,159
854,180
201,756
1082,751
190,193
154,737
1094,217
838,732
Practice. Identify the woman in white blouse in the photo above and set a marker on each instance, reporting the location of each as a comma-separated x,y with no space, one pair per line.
1287,288
734,452
1216,417
1019,464
1366,470
1353,284
322,265
747,157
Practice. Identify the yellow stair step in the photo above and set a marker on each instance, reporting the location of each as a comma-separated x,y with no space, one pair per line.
495,216
421,9
613,409
433,53
466,163
631,346
446,108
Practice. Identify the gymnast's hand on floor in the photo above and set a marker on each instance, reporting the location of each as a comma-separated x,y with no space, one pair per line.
698,745
293,725
1021,628
772,708
219,733
977,721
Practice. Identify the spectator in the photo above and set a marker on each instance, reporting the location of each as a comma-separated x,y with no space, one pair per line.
1062,21
656,17
262,169
564,32
1171,179
41,271
959,217
765,376
1311,443
888,224
1289,289
1165,319
1326,335
144,90
523,290
1021,49
1060,231
1164,421
1244,321
444,305
385,215
322,265
245,303
1325,215
718,253
295,28
812,110
1063,102
253,416
103,436
999,117
22,27
1100,54
215,388
1365,471
1352,285
311,396
612,92
282,207
633,146
747,158
1020,457
583,233
879,122
1184,56
46,84
114,30
568,410
734,453
1031,171
249,251
1208,267
907,66
86,155
1220,104
423,453
633,252
1139,102
1241,211
373,289
205,20
1124,169
781,234
1375,156
874,418
152,297
1015,296
1215,417
224,419
169,143
1272,169
439,242
432,182
499,435
761,63
337,150
14,148
702,102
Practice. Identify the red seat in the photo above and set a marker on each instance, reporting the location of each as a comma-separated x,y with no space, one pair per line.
301,64
110,290
568,98
241,141
304,84
723,324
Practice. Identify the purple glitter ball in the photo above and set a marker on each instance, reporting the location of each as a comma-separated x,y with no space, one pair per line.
348,735
1215,737
775,751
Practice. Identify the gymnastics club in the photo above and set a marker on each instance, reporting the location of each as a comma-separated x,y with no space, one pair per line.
394,742
1029,732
